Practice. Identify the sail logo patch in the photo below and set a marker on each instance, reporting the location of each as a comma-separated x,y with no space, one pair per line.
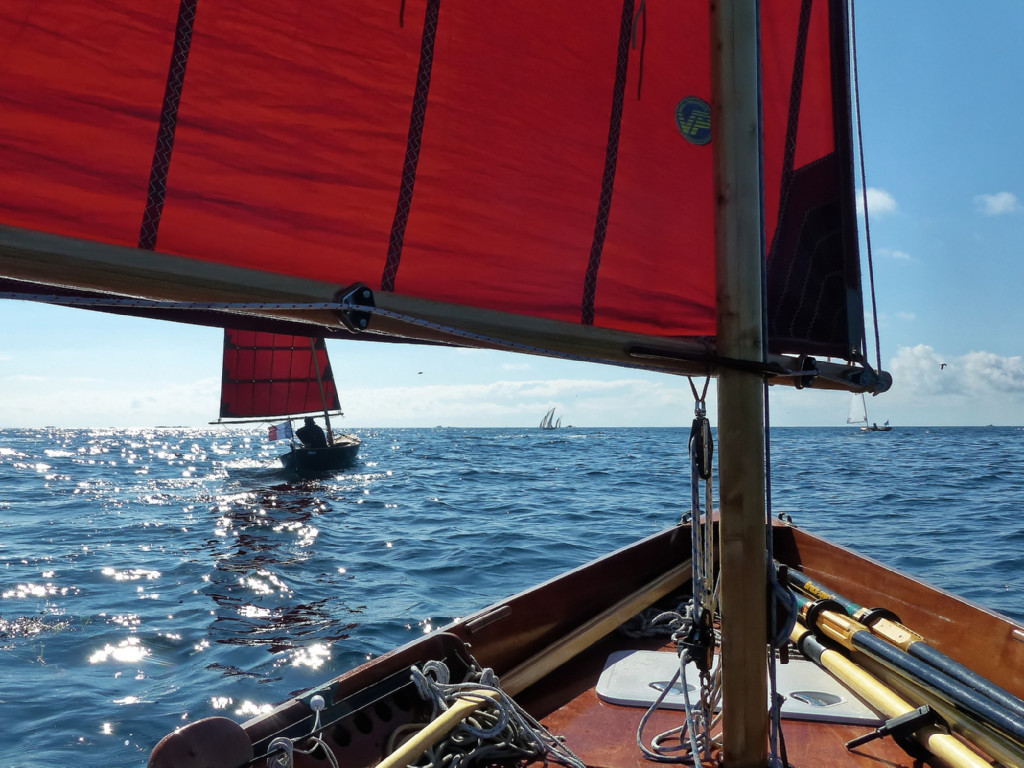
693,117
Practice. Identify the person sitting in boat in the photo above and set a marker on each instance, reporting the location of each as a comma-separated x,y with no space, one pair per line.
311,435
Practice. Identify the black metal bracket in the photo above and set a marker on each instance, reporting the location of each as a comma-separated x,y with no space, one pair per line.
359,295
869,617
700,642
809,367
901,729
815,608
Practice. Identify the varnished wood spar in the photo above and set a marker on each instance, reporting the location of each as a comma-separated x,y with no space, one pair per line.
53,260
734,121
558,653
935,740
436,730
123,271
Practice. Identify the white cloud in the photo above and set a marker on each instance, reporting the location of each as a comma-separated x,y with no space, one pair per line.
583,402
102,403
880,202
997,204
921,371
900,255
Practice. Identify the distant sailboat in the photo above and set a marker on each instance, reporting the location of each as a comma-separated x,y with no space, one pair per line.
549,422
859,415
270,375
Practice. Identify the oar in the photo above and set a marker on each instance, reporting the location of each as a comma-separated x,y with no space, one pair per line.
996,744
886,625
436,730
941,744
855,636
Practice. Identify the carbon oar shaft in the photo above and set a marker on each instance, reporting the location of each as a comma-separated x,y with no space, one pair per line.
994,743
934,739
855,636
911,642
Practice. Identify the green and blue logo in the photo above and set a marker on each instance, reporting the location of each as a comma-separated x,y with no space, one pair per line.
693,116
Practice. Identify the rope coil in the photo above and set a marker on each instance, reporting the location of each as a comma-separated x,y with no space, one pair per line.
499,730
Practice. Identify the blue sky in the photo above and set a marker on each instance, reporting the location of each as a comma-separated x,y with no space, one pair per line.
941,101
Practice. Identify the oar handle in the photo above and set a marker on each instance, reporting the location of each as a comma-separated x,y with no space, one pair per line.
437,729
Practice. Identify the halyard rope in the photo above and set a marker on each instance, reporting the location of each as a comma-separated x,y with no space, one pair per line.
694,634
499,730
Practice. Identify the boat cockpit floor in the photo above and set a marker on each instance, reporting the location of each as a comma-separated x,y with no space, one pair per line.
604,734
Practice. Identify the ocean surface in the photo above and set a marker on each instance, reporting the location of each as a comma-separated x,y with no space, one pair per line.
154,577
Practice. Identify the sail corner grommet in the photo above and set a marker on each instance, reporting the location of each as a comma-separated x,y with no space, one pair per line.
352,299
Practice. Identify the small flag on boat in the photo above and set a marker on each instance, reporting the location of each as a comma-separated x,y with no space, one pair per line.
281,431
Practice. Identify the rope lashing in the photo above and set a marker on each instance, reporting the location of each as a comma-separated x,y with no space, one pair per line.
696,638
500,729
280,752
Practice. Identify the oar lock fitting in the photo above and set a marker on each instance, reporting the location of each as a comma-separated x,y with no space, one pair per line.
814,608
902,730
868,616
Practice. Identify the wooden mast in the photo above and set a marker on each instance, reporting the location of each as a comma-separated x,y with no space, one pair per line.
735,76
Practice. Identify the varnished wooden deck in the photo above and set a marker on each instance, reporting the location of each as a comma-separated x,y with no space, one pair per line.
604,735
369,703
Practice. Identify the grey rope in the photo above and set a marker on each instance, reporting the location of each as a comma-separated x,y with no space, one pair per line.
499,730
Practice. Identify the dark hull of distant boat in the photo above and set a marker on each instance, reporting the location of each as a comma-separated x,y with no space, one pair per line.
318,461
876,429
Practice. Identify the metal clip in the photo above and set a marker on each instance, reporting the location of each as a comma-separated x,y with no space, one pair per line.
900,728
358,295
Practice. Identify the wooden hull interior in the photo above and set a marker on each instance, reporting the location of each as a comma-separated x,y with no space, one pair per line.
549,645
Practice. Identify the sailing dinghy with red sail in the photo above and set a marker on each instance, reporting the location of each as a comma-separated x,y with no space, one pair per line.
274,375
667,186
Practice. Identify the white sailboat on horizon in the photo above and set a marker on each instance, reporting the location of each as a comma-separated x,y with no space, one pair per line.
549,422
859,415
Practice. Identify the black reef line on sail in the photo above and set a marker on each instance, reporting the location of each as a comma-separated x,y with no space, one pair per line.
168,122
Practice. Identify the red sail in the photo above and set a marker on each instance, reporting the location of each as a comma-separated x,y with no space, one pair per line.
271,374
549,159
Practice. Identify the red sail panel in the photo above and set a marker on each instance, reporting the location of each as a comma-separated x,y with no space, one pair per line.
546,159
272,374
813,273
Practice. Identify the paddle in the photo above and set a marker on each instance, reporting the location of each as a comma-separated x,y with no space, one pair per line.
856,637
934,739
886,625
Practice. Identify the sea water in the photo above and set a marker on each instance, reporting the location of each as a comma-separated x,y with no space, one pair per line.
154,577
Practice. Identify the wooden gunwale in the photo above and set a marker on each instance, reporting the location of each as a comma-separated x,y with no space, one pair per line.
508,633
